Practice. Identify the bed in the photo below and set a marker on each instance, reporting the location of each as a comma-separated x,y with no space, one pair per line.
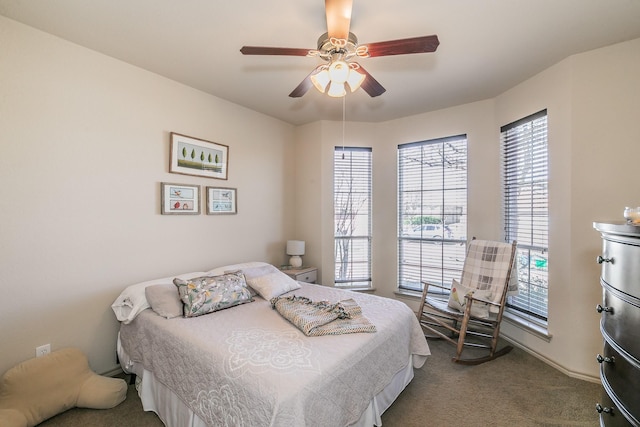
248,365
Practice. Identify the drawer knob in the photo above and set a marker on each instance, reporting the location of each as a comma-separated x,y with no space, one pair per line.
601,259
604,409
601,359
600,309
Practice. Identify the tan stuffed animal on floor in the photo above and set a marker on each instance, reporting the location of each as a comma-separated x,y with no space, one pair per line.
42,387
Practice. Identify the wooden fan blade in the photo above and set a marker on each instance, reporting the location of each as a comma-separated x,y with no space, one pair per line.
371,85
338,18
303,87
404,46
259,50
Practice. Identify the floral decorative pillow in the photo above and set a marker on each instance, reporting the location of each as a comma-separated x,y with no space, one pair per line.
458,301
203,295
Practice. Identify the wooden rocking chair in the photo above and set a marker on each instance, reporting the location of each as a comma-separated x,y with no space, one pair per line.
479,300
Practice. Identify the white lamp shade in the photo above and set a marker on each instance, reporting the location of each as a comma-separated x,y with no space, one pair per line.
295,247
321,80
339,71
355,80
336,90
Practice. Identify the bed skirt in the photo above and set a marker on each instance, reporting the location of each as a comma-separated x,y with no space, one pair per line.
158,398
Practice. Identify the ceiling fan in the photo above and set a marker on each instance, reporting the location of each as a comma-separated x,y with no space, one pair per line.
339,47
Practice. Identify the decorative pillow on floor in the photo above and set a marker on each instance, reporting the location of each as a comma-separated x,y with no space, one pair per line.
39,388
458,301
203,295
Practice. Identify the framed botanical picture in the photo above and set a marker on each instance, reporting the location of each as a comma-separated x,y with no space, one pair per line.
193,156
180,199
222,200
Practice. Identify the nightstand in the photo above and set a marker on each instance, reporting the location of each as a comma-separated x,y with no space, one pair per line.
302,274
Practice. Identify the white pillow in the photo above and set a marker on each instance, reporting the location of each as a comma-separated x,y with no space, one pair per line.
458,301
165,300
232,268
133,300
268,281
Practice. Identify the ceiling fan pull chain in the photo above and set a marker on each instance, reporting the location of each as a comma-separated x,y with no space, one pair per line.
344,114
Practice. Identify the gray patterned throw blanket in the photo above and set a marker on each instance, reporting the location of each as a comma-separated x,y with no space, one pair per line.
322,318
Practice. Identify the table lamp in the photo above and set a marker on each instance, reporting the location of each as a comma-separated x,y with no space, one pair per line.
295,248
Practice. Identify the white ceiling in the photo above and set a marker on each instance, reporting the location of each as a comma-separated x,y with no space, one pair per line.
486,47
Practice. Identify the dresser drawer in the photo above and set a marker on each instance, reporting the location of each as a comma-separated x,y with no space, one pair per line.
620,378
610,415
620,320
620,266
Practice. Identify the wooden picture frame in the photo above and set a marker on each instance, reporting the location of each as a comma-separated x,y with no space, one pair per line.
222,201
194,156
179,199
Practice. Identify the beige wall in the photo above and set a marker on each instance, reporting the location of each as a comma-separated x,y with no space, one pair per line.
84,147
592,102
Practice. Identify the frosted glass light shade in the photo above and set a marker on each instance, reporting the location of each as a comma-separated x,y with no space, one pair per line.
355,80
339,71
336,90
321,80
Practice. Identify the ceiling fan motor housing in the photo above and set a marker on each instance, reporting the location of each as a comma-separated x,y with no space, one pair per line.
328,47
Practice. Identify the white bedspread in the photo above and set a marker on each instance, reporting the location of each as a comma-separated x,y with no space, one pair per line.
248,366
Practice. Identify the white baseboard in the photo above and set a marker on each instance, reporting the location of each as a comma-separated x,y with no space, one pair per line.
551,363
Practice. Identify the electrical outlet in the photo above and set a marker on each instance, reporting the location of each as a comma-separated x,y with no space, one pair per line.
43,350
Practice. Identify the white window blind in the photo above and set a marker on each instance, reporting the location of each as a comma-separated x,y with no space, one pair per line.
352,216
432,211
526,213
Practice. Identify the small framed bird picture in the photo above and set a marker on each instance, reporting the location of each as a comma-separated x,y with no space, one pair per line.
221,200
180,199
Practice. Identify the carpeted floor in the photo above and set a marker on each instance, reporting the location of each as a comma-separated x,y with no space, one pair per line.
515,390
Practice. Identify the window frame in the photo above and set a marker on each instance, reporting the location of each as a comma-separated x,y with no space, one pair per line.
524,145
353,273
436,258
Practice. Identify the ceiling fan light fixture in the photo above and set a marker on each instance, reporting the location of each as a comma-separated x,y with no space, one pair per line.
334,76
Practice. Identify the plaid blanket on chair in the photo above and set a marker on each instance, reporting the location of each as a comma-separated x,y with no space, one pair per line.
486,267
322,318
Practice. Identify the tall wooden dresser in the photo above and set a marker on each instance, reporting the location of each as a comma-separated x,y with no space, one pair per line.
620,324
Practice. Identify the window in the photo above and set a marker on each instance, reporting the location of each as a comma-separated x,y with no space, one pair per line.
352,216
432,211
526,216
